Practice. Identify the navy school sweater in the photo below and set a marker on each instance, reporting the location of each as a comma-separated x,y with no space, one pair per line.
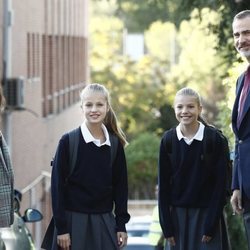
95,187
186,180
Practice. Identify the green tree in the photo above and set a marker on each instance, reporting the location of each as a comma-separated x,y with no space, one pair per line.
136,87
142,155
138,15
160,40
198,64
143,90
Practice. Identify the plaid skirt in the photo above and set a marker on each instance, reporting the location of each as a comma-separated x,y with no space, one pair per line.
89,232
188,226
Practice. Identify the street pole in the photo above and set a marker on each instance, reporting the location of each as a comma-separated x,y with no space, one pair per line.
7,49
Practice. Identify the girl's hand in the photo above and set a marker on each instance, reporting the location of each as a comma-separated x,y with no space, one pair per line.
63,241
122,239
206,239
171,241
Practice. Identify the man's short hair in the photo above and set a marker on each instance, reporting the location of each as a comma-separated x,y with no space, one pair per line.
243,14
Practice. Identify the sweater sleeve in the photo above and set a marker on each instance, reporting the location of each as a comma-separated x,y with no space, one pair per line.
217,201
59,168
120,189
164,181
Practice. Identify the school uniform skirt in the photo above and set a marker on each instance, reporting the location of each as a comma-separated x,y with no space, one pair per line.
188,227
90,232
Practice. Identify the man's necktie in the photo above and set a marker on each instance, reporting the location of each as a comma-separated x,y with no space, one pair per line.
243,96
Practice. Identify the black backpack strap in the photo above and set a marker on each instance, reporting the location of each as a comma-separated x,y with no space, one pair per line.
169,140
174,146
209,140
74,137
114,146
171,144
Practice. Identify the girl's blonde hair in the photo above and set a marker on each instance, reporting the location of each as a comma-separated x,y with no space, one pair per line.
110,120
190,92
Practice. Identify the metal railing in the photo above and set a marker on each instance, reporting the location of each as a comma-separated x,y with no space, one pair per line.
40,185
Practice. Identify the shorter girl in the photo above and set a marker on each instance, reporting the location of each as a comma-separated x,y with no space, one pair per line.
83,206
191,190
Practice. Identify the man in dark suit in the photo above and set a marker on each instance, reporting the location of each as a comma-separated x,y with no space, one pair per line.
240,199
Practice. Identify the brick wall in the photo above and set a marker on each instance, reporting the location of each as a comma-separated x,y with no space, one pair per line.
49,49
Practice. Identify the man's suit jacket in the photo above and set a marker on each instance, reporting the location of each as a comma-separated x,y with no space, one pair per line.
241,171
6,186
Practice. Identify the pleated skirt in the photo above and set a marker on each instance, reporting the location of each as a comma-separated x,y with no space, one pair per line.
90,232
189,227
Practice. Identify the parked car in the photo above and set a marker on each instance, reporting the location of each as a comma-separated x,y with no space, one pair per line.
138,231
138,243
18,235
139,226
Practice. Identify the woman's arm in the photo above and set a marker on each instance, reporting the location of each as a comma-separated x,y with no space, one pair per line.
60,165
164,178
120,189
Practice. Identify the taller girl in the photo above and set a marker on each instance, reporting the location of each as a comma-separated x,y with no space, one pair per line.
83,207
191,191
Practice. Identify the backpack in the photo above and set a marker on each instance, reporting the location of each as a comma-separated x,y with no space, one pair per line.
74,136
209,146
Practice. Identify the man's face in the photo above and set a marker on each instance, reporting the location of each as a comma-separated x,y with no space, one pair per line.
241,33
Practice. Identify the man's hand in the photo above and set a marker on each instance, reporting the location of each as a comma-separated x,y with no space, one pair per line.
122,239
171,241
206,239
63,241
236,202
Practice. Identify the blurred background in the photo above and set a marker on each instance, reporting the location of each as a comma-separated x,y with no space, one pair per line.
143,51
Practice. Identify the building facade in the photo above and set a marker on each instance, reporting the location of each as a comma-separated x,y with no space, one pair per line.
45,44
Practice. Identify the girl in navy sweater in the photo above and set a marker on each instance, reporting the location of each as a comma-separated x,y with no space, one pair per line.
90,210
191,192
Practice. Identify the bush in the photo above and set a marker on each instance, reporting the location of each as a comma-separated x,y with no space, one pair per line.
142,156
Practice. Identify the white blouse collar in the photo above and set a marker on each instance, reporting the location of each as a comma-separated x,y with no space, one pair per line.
198,136
88,137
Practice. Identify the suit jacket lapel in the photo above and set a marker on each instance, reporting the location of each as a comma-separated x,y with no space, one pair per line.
246,106
239,86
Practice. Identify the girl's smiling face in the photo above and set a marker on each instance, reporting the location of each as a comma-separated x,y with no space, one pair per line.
187,109
95,107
